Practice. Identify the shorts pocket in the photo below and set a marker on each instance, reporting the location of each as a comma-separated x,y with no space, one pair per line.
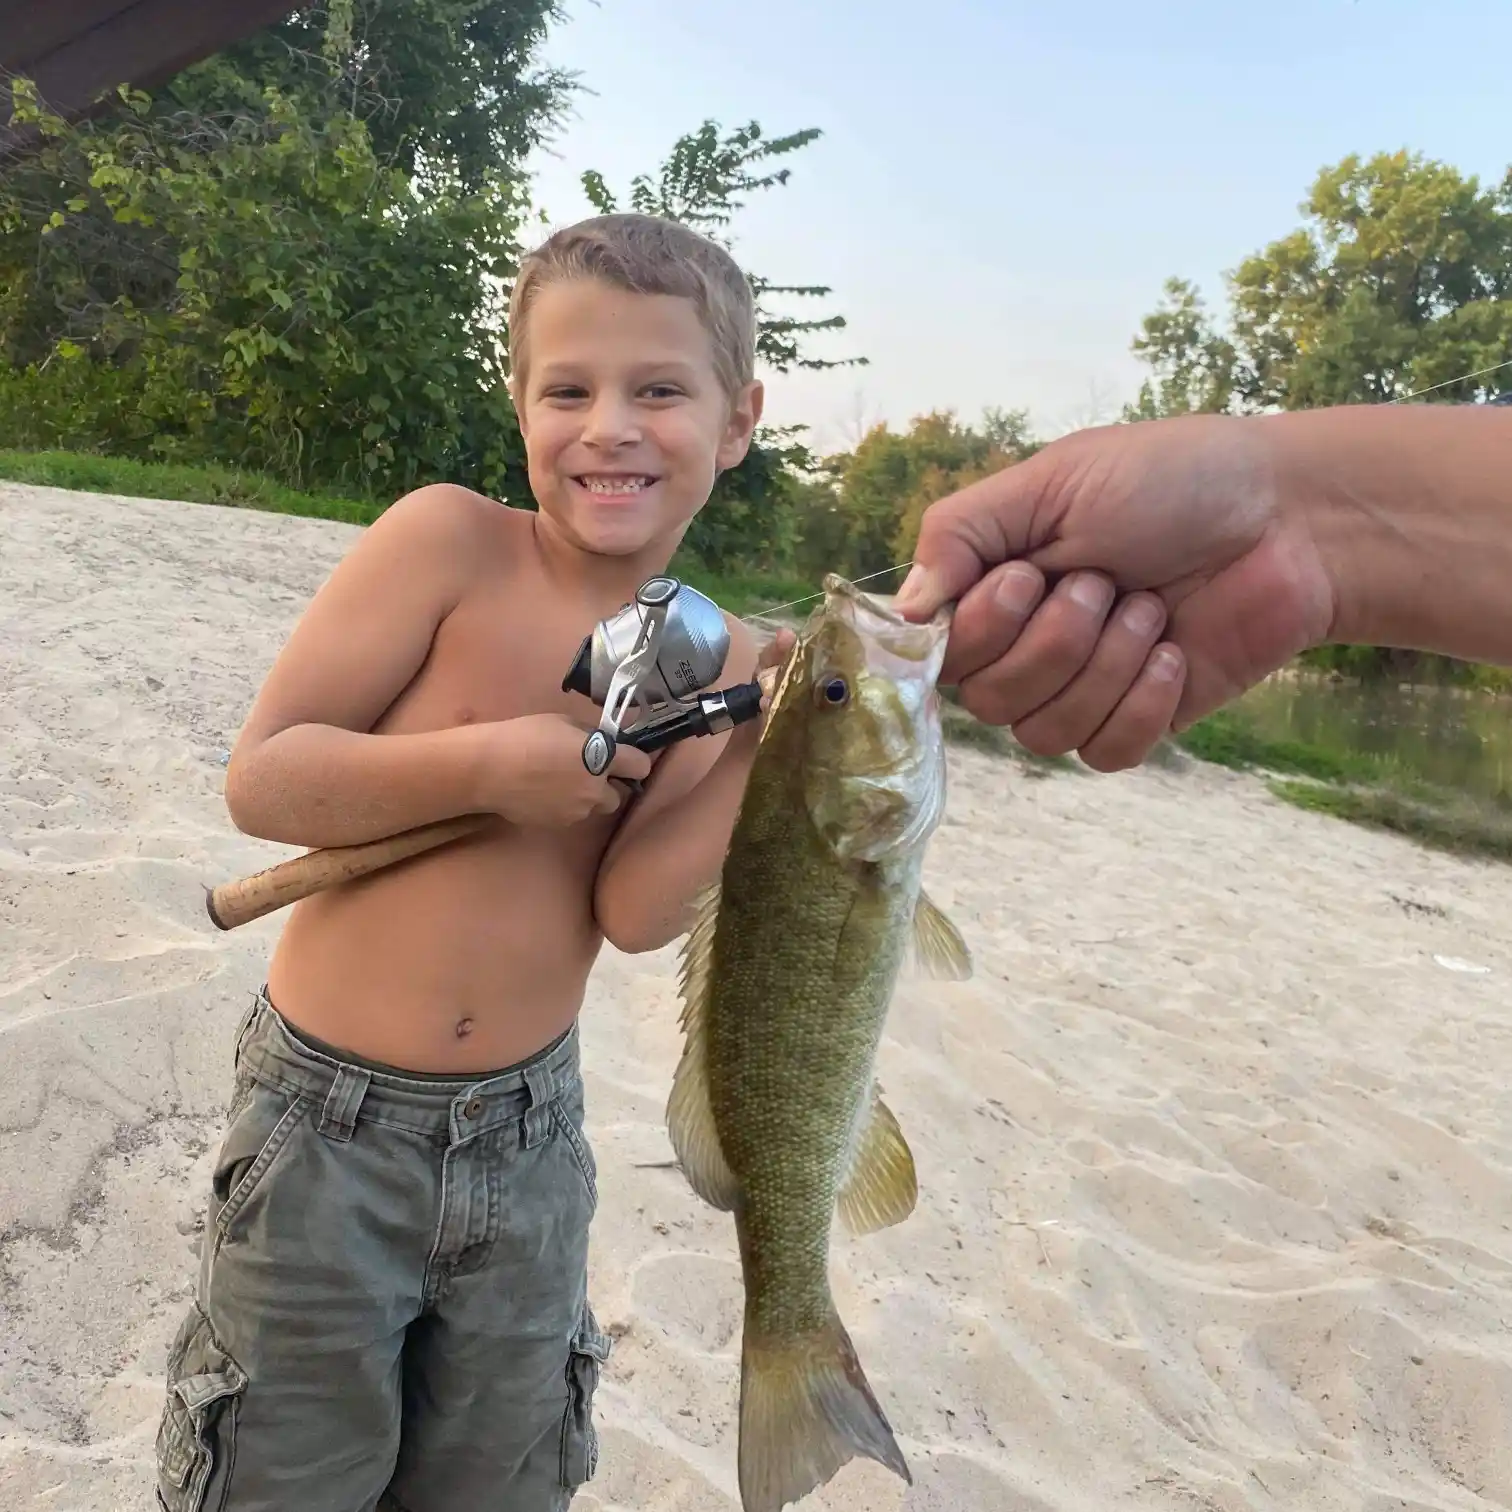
196,1442
571,1130
252,1142
585,1361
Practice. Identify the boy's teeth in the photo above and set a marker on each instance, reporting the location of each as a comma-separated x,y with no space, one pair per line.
615,485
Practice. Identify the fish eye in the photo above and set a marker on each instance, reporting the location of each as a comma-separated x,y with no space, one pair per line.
835,691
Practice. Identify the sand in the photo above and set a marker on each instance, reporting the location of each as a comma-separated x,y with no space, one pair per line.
1216,1152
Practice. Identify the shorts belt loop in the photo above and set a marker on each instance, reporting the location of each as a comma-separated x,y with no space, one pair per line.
538,1083
248,1018
338,1119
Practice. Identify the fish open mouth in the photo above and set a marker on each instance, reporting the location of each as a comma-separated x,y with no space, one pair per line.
894,645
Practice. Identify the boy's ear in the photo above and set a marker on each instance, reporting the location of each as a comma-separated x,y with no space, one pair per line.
745,416
514,399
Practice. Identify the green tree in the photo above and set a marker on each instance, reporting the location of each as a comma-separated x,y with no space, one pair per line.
293,253
884,486
261,286
454,84
702,184
1399,281
1193,367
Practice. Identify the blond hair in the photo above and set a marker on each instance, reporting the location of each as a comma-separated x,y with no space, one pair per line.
646,254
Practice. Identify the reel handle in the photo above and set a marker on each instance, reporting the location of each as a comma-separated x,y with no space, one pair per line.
598,751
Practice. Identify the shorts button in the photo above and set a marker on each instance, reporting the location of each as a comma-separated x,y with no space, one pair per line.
473,1108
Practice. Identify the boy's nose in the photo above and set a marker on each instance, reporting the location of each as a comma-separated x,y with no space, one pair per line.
610,422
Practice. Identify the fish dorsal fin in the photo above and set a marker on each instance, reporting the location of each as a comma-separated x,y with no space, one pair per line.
938,946
880,1187
690,1114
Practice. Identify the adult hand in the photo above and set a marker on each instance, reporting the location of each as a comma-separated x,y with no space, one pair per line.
1122,582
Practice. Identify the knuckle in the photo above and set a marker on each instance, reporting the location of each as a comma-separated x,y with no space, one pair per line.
987,703
1040,737
1068,638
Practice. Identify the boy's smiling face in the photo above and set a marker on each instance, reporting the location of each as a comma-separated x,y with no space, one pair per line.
626,424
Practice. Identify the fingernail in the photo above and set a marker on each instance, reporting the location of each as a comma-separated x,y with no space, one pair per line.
1016,591
1090,592
1141,616
918,588
1165,665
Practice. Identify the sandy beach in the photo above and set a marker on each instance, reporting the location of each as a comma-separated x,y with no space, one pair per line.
1215,1150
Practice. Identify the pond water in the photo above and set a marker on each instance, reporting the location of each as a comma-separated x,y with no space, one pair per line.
1453,737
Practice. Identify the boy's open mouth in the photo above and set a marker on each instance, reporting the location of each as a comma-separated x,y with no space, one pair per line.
615,485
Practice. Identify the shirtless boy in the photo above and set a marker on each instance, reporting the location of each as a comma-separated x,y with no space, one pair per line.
392,1306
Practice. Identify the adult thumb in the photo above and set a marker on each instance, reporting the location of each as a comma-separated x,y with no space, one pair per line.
960,537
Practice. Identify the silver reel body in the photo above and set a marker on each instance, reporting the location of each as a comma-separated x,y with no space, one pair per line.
646,666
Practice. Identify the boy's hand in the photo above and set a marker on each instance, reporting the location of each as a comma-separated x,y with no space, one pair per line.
533,772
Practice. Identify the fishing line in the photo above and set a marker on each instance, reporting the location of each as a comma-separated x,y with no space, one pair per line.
794,603
898,567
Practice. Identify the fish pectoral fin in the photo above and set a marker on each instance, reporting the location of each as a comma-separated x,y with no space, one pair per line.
938,946
690,1112
881,1186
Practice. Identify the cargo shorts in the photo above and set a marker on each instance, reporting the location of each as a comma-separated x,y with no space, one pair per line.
391,1311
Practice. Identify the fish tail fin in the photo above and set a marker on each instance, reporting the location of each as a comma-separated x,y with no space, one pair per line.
806,1409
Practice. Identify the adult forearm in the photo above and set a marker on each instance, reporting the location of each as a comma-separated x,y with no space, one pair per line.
317,785
1411,510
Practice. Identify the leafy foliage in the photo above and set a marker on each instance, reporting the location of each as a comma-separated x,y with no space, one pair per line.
1194,366
883,488
434,81
1399,282
294,254
702,184
257,285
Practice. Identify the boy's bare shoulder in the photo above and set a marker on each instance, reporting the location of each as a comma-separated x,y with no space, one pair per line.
371,625
448,515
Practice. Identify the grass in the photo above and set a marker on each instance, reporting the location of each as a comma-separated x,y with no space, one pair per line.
1364,790
1228,738
748,594
194,484
1452,822
1345,785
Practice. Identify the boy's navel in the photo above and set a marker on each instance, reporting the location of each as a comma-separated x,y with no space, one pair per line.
464,1028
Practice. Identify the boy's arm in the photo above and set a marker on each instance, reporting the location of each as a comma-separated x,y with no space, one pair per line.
304,770
672,842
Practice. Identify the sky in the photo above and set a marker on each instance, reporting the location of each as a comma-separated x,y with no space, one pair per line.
1002,188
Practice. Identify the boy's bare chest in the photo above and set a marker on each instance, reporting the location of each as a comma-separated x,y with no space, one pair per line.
494,660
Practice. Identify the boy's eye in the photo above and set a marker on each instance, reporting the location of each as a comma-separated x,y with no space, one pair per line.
663,391
566,391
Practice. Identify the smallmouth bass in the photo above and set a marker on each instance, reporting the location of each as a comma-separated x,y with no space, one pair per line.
787,976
